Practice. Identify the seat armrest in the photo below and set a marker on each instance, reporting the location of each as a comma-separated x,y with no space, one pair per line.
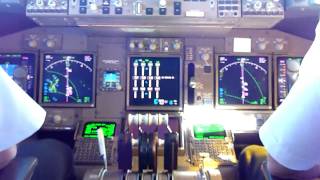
20,168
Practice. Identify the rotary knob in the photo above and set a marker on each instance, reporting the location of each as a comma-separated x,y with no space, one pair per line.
140,45
118,3
205,57
132,45
257,5
57,119
177,45
162,3
153,46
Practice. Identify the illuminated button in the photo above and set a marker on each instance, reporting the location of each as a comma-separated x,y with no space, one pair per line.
105,10
177,12
118,10
149,11
83,2
163,11
177,8
83,10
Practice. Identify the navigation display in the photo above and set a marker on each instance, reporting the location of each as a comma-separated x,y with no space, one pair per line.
287,74
244,82
68,80
155,83
90,129
21,68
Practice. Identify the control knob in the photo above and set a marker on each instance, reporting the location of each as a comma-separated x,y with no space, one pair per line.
118,3
162,3
205,57
132,45
153,46
40,3
177,45
140,45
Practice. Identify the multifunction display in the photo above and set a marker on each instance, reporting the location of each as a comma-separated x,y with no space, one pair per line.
155,82
68,79
243,81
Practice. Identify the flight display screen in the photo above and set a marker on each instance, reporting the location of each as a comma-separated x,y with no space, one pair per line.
21,68
90,129
111,80
155,83
287,74
68,80
243,82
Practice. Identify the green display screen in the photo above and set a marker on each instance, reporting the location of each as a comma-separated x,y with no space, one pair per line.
90,129
211,131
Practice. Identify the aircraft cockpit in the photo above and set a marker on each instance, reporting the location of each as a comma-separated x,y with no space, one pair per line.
161,89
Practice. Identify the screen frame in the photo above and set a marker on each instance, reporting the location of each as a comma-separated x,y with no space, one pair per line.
156,108
81,134
244,107
71,105
36,70
276,68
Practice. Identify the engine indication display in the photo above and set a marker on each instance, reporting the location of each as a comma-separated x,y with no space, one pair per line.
21,68
68,80
243,82
287,74
155,83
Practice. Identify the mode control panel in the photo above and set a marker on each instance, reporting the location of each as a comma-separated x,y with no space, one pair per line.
263,8
47,7
189,8
155,45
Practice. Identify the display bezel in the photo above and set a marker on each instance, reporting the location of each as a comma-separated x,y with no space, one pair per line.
244,107
276,75
155,108
36,67
89,105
